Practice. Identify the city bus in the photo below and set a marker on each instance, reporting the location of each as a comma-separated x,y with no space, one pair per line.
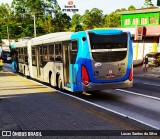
80,61
6,56
20,57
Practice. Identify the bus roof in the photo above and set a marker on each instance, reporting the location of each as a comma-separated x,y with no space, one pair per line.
53,37
20,44
63,36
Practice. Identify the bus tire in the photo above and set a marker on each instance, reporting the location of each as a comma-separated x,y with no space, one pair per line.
50,79
59,83
24,72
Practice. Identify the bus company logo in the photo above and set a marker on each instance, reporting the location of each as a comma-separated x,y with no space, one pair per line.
110,74
70,7
110,71
97,64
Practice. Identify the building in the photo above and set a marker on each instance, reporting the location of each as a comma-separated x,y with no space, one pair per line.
144,24
140,17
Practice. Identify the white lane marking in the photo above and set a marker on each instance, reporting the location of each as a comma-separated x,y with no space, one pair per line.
110,110
151,84
96,105
142,95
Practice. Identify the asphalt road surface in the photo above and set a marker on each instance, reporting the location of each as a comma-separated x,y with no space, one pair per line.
136,108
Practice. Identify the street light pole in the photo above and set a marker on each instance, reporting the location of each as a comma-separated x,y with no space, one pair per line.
34,17
8,36
7,33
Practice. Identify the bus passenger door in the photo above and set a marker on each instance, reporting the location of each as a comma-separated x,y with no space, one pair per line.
38,61
66,63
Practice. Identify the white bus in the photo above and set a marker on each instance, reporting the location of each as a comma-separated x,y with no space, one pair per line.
78,62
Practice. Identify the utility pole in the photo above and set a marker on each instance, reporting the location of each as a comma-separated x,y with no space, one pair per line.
34,17
8,37
7,33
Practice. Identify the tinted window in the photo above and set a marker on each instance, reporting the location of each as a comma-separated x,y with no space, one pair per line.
41,55
34,61
45,53
108,48
108,41
74,51
51,52
153,55
58,52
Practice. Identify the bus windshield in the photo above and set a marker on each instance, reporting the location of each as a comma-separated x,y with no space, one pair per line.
108,48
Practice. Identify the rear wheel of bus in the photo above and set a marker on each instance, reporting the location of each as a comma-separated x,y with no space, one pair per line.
59,83
51,79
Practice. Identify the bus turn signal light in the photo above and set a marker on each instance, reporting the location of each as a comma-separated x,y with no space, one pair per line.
85,77
131,74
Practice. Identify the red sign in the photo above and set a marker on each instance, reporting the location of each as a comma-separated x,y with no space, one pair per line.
70,2
139,33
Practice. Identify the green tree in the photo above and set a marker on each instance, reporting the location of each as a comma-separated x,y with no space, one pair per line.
42,7
6,20
76,23
44,12
61,22
148,3
123,9
76,19
131,7
92,19
46,23
112,20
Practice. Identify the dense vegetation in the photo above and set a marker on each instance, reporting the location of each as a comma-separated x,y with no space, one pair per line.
17,19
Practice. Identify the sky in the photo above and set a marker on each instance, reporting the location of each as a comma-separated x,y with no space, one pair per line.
107,6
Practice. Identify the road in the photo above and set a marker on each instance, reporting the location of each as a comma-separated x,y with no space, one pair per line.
139,104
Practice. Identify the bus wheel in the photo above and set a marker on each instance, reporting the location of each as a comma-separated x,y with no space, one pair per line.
50,79
59,83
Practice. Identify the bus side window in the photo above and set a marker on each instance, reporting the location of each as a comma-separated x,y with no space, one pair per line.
21,55
41,55
74,51
15,55
25,55
34,62
58,52
51,52
45,53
